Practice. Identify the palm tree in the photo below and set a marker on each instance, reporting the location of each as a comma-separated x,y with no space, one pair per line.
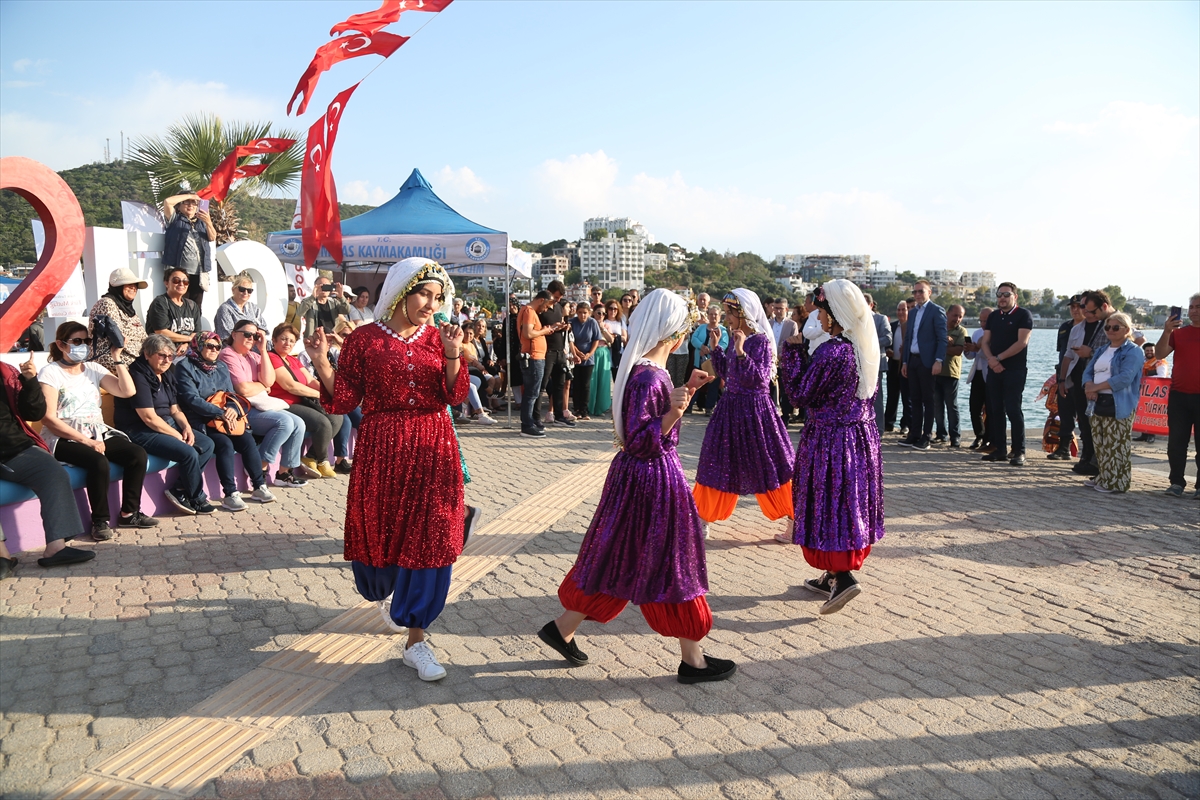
184,159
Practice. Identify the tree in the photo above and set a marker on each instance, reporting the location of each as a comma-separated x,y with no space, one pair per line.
1048,297
549,247
573,276
907,277
598,234
1116,298
528,247
184,159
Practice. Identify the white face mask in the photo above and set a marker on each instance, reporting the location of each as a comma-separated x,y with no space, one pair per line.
77,354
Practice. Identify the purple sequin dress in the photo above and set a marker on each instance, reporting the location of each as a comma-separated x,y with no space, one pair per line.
746,448
837,488
646,542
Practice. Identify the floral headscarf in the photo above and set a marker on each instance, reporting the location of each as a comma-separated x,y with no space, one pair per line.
195,353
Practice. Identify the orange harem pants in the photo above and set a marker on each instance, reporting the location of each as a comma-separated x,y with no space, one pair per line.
691,620
714,506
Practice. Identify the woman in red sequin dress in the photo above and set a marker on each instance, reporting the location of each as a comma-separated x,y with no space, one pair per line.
404,505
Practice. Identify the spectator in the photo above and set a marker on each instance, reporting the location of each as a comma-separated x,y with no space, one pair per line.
198,379
554,381
322,309
25,460
1154,367
459,316
1183,403
297,387
706,397
510,352
587,340
897,386
636,295
626,307
1004,345
702,301
117,306
1112,383
813,331
188,234
883,332
533,336
783,327
293,316
945,386
172,314
677,363
361,311
475,372
152,419
977,378
32,338
600,400
1070,334
253,376
238,307
1096,309
618,330
921,358
482,361
75,432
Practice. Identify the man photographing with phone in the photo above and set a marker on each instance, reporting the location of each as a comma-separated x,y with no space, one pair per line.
1183,403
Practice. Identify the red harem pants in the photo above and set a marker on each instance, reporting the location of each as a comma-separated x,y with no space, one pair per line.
844,561
691,620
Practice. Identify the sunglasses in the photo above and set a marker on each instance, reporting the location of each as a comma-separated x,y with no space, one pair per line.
180,281
244,289
998,294
161,355
1114,327
211,346
78,340
245,334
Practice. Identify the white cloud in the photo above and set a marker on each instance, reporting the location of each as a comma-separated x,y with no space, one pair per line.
584,183
148,106
460,183
22,84
22,64
362,193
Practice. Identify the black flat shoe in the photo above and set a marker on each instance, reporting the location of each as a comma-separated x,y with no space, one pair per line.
568,650
718,669
68,555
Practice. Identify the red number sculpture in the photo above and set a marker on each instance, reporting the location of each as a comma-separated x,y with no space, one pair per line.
62,218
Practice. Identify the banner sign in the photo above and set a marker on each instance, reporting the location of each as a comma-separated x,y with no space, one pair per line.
1151,416
458,248
300,277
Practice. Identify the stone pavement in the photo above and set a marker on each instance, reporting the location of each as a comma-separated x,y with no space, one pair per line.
1018,636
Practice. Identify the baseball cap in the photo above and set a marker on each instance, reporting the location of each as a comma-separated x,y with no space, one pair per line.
123,277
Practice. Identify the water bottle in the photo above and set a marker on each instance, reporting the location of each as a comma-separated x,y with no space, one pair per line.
1091,408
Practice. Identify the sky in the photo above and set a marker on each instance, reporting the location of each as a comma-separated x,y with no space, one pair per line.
1056,144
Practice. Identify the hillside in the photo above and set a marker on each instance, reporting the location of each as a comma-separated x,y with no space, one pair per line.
101,188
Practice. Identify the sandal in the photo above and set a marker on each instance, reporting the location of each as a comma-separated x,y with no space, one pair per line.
68,555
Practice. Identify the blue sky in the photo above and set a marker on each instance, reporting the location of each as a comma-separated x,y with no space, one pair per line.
1056,144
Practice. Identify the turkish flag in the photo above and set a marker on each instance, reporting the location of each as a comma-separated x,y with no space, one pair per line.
341,49
386,14
319,218
228,170
255,146
222,177
248,171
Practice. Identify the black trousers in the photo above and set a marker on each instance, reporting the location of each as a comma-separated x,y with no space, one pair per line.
1066,420
320,427
1004,390
195,290
920,398
1078,401
677,368
897,395
1183,419
581,388
978,401
117,450
554,381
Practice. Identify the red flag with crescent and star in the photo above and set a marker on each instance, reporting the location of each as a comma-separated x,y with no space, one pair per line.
341,49
319,218
228,170
386,14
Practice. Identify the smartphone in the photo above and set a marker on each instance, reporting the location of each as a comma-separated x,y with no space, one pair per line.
204,206
1176,312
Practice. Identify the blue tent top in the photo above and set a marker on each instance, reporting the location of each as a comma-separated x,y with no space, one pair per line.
415,210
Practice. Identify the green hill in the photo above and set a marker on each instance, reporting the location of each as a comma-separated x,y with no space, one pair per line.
100,189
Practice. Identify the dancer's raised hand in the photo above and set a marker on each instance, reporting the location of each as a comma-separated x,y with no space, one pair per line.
698,378
452,337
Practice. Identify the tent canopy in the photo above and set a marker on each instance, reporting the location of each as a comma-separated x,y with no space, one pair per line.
416,222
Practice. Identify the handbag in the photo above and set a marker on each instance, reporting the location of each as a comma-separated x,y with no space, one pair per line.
265,401
307,402
223,399
1105,406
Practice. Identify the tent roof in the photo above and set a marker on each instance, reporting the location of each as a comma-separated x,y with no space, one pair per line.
415,210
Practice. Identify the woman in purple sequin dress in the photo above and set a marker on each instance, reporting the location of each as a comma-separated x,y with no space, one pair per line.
746,448
838,480
645,545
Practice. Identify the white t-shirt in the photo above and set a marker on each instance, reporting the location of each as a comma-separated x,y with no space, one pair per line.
813,331
78,400
1102,370
361,315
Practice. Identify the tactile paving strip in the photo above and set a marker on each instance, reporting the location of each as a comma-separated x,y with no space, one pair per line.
176,759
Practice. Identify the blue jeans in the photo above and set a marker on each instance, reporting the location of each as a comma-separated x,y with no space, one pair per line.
531,380
282,433
191,459
341,441
224,447
36,470
945,404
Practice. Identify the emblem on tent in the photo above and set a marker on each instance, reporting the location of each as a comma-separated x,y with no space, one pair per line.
291,246
478,249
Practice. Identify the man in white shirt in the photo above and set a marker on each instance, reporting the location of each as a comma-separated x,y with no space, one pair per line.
977,380
783,328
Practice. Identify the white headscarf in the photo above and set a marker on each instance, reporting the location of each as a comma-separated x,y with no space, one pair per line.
661,315
850,308
752,312
406,275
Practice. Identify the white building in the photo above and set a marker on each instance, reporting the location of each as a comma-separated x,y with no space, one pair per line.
676,255
795,284
549,268
851,267
614,224
614,263
942,275
655,260
879,278
978,280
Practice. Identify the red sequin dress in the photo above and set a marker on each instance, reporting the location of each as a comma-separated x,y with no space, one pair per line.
404,506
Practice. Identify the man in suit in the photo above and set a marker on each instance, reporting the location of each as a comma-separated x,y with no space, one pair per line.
884,332
921,360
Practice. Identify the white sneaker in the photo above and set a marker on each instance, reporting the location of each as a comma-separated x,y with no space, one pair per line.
385,610
483,419
706,530
784,538
421,658
262,494
233,502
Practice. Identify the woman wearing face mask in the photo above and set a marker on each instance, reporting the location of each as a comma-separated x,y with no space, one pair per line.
75,431
405,515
